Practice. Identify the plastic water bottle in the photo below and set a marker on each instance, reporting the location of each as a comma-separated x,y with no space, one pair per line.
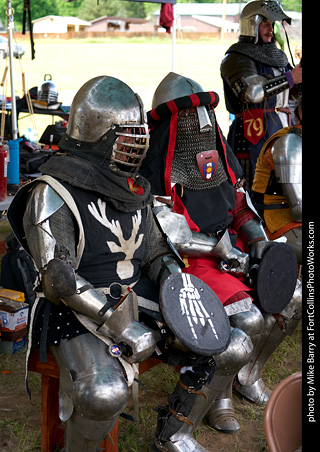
3,171
13,165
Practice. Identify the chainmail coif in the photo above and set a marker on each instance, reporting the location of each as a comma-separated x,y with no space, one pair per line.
190,141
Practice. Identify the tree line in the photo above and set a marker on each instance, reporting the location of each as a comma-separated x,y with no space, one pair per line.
92,9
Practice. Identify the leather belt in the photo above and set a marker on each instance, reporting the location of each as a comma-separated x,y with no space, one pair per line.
272,110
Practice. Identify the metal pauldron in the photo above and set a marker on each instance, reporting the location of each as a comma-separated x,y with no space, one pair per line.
287,158
42,204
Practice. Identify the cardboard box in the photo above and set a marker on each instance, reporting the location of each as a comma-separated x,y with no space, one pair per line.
12,294
12,336
13,314
13,325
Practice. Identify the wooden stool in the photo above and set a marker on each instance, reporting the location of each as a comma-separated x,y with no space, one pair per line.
52,430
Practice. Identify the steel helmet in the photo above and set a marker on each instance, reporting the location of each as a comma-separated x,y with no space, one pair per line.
255,12
106,109
174,86
48,91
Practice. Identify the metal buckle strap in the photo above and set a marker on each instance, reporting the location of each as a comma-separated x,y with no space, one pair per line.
123,291
83,288
192,390
114,285
181,417
122,288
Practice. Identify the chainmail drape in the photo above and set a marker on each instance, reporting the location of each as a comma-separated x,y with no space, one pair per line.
190,141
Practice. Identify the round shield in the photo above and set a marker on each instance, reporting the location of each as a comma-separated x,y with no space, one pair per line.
277,277
195,314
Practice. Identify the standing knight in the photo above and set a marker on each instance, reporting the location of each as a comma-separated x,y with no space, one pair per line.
258,82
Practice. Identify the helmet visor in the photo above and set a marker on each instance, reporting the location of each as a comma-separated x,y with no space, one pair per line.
130,147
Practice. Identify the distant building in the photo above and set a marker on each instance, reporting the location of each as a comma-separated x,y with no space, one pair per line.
211,17
109,23
206,17
59,24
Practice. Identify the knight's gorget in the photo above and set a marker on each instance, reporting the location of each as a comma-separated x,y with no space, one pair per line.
267,53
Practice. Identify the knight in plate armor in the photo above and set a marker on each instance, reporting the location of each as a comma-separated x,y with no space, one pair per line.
258,82
210,220
110,281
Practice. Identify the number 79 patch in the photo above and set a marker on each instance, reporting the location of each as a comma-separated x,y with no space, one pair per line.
253,124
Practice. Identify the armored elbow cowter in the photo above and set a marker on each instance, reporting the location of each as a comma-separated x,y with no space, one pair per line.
246,82
287,158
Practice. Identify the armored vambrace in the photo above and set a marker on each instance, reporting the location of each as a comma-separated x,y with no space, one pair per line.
256,88
241,73
189,243
135,339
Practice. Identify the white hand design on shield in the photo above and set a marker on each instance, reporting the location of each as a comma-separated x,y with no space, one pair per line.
192,307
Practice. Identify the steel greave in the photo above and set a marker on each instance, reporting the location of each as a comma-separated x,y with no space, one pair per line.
92,394
276,327
75,441
228,363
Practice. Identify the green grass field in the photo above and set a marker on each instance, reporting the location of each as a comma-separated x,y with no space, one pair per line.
141,63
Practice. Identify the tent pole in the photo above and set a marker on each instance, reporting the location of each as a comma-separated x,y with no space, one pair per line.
13,97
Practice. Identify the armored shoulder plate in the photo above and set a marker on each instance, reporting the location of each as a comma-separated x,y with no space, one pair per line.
236,65
287,158
241,72
43,202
